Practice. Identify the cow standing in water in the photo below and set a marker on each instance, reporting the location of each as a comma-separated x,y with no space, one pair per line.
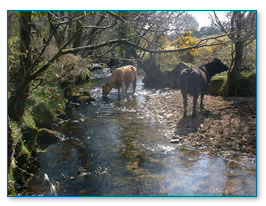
195,81
121,78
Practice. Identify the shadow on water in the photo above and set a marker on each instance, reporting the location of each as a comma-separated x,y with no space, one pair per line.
114,148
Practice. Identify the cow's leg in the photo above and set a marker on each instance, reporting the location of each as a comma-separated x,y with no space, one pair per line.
184,94
124,90
201,101
195,99
134,85
118,93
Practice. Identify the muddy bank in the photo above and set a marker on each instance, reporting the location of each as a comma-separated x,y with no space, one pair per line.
226,126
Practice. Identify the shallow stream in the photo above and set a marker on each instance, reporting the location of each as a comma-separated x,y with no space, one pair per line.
114,148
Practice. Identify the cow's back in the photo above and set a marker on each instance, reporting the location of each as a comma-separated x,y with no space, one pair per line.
130,74
192,80
125,74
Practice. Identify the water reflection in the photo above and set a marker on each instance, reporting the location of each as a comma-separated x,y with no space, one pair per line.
114,149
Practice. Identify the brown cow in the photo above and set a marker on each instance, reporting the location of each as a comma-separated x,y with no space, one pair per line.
121,77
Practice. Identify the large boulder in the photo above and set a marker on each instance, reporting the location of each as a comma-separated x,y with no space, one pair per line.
216,86
82,99
173,76
155,78
244,86
153,75
80,96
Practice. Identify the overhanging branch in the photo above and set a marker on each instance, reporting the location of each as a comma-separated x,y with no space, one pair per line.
63,50
130,43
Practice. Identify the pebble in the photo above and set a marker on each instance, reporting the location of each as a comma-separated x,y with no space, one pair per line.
174,140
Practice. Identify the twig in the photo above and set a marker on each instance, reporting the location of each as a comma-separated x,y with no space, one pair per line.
28,173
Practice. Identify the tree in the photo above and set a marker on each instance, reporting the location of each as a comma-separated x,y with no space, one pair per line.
95,33
16,103
42,44
32,63
241,30
206,31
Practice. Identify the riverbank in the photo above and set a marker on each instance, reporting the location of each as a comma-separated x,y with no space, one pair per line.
226,126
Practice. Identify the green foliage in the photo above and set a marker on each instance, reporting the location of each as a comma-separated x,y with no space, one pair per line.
24,142
19,154
13,60
71,68
168,61
15,135
24,150
11,186
28,120
202,55
194,57
44,103
13,51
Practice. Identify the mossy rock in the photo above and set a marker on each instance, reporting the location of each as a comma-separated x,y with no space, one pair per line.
47,137
44,115
84,77
216,86
81,96
29,137
164,78
45,103
246,86
83,99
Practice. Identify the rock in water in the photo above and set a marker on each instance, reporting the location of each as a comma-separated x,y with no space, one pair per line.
47,137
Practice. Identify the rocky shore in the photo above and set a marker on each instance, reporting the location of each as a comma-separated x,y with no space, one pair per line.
226,126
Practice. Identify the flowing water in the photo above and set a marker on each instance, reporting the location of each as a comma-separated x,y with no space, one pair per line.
114,148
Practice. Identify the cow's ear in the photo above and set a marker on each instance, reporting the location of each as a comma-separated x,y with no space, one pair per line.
216,60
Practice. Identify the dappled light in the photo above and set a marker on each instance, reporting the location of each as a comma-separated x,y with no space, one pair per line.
100,103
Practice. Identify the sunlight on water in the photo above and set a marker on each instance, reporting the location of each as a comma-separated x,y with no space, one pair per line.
115,148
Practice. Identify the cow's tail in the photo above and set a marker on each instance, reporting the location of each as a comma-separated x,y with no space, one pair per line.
184,79
135,78
135,72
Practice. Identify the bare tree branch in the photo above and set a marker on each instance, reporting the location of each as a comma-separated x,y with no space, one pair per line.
100,27
70,18
130,43
55,57
116,16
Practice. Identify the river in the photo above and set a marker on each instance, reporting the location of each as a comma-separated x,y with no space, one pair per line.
114,148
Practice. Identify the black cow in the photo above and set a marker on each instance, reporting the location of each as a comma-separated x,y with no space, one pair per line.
195,81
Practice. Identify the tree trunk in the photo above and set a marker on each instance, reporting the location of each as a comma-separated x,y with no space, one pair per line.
16,103
234,73
79,32
58,35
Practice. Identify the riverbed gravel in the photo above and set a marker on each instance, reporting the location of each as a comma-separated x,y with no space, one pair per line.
226,126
